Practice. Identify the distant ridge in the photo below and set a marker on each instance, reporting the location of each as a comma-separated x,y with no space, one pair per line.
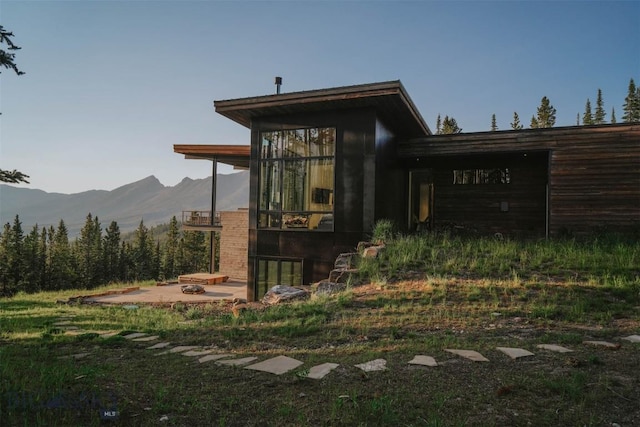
146,200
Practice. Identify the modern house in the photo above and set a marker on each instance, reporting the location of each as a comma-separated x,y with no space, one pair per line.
325,165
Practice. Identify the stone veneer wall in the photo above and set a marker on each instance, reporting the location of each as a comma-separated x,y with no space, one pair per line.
234,239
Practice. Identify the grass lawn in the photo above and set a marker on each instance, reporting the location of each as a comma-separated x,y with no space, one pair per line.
425,294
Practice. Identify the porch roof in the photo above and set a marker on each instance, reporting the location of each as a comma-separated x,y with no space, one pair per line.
389,99
237,156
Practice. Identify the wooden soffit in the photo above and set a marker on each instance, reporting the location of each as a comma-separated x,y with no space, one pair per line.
237,156
390,100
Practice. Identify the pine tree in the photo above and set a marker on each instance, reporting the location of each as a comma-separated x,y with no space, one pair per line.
438,125
44,253
494,125
170,248
515,124
578,119
587,117
111,252
89,254
143,254
5,261
33,262
599,115
62,265
631,105
613,116
450,126
546,116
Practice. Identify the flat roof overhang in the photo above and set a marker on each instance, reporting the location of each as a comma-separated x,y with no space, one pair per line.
390,100
512,140
237,156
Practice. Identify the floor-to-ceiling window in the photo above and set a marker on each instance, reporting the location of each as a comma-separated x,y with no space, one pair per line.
297,179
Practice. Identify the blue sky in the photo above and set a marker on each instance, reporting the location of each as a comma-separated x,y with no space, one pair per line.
110,86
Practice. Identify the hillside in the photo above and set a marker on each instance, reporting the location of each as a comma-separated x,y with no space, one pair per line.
147,200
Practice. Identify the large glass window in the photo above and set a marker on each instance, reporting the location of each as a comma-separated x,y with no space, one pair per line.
297,179
272,272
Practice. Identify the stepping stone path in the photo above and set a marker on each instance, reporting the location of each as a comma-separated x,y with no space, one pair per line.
423,360
282,364
278,365
374,365
468,354
515,353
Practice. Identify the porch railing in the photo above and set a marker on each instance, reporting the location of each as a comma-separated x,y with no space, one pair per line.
201,218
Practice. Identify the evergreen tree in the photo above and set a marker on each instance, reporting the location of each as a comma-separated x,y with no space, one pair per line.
578,119
44,253
587,117
170,249
546,116
450,126
631,105
5,261
494,125
62,265
33,262
89,254
15,262
143,254
195,252
111,253
599,115
613,116
515,124
438,125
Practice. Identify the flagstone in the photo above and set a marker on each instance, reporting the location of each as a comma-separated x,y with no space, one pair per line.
320,371
181,348
193,353
515,353
159,345
211,357
108,334
605,344
75,356
373,365
62,323
277,365
468,354
69,327
236,362
423,360
632,338
135,335
146,339
554,347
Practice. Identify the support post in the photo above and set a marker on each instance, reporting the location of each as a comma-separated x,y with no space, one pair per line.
214,176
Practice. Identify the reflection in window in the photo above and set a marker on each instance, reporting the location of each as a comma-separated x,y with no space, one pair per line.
482,176
272,272
297,179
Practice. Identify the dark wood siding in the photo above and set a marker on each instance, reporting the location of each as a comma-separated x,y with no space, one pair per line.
594,171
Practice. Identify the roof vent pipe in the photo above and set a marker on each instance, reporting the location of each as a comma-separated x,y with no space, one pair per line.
278,84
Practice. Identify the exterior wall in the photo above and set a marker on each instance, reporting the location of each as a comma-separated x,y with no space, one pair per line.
593,171
355,165
233,243
595,184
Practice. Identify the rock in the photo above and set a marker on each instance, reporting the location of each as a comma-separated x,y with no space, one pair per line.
328,288
281,293
343,276
238,309
372,251
237,301
345,261
192,289
364,245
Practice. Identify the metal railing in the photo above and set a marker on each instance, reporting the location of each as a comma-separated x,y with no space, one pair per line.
201,218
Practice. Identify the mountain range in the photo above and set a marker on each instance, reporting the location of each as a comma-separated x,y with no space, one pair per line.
148,200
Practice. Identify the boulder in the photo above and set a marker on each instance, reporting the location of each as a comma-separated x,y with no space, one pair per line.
282,293
192,289
327,288
344,275
372,251
345,261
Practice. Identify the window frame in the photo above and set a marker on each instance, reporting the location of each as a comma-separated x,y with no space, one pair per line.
277,198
